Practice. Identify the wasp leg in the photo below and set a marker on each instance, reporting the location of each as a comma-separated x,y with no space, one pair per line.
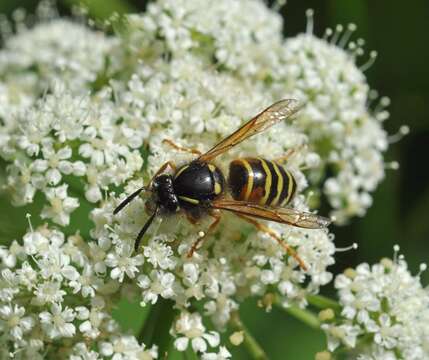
161,170
216,216
285,157
265,229
289,154
181,148
191,219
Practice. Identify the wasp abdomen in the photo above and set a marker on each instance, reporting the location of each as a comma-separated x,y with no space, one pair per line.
261,181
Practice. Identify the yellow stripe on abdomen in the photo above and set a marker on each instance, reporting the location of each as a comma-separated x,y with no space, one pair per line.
250,176
279,184
290,187
268,182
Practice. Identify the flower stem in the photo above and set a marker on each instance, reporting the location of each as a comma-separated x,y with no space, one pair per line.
322,302
156,328
253,347
189,354
304,315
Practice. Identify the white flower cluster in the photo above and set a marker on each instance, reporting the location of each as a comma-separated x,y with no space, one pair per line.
84,115
189,328
346,134
63,138
55,302
201,108
243,37
384,312
57,49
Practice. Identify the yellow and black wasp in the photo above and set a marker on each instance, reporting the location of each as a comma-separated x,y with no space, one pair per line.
258,188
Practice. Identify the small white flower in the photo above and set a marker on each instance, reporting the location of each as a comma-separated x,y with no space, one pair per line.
20,182
28,277
158,283
223,354
56,266
126,347
98,253
123,262
58,322
49,292
92,321
190,272
13,321
61,205
54,163
87,283
192,330
81,352
346,334
35,242
386,335
10,256
159,254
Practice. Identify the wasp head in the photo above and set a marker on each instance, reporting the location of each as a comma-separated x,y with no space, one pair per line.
164,195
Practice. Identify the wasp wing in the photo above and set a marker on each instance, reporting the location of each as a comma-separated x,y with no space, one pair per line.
280,215
275,113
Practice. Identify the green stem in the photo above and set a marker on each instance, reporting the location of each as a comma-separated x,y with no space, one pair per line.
322,302
156,328
305,316
252,346
189,354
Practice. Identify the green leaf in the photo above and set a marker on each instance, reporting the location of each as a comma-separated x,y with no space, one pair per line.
130,315
253,348
102,9
156,328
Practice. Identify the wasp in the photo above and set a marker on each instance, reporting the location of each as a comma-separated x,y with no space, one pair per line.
255,189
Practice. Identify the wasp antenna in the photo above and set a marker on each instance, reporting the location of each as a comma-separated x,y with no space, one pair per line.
128,200
144,229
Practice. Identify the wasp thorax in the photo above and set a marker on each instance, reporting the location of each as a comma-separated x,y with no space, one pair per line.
163,190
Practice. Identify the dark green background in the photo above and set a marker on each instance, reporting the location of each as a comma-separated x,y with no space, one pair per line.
400,214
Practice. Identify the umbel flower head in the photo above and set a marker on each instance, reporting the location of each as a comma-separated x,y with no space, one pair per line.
52,292
83,119
384,311
344,132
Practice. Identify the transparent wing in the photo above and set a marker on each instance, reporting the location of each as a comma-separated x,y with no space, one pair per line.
275,113
280,215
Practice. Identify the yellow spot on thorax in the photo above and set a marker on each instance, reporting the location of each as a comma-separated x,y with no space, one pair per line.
217,188
189,200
